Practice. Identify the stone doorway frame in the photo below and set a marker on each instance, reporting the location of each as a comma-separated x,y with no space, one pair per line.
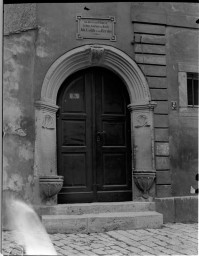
141,108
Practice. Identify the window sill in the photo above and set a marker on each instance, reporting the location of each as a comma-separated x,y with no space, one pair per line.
189,111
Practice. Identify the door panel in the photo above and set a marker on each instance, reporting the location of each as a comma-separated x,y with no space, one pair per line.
94,151
75,162
114,133
112,96
74,140
74,132
113,166
113,161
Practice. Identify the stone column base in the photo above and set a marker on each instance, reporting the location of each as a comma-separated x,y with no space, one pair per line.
50,185
144,185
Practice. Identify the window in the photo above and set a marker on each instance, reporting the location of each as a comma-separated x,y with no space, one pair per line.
188,74
192,89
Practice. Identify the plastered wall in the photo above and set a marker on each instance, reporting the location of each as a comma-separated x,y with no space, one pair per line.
19,176
183,125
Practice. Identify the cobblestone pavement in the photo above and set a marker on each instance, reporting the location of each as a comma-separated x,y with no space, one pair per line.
172,239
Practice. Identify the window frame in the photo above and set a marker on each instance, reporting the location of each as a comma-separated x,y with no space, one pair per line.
183,70
192,76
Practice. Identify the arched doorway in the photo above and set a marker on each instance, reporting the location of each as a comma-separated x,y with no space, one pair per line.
94,138
141,111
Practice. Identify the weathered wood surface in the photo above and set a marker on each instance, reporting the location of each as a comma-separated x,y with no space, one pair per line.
161,134
150,59
149,29
148,48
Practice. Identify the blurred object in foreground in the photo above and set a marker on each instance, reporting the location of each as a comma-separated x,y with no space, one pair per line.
17,250
28,229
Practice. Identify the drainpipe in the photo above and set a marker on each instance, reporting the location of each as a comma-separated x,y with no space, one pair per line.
1,131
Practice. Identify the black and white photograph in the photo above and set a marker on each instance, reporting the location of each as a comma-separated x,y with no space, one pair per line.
99,122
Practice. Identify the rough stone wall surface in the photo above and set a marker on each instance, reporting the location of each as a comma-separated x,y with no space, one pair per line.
20,33
18,115
19,17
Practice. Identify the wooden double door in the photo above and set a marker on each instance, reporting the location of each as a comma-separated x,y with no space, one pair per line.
94,138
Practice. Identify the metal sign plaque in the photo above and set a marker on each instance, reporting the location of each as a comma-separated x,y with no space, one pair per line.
95,28
74,96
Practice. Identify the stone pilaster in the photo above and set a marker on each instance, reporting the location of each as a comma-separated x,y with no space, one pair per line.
143,151
45,143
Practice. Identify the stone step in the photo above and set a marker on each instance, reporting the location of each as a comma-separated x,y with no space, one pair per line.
88,208
102,222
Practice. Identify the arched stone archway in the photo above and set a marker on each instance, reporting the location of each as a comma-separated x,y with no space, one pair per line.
96,55
141,109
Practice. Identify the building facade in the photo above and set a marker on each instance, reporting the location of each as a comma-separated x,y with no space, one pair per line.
103,94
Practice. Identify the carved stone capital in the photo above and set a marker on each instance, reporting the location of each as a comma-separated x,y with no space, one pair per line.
49,107
151,105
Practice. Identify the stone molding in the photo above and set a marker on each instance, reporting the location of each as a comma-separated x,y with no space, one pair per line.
144,171
96,55
42,105
151,105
